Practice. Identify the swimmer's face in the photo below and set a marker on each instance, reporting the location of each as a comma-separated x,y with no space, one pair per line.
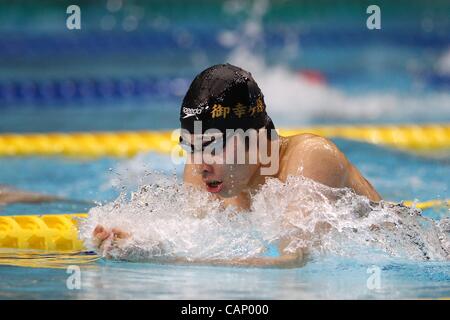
226,171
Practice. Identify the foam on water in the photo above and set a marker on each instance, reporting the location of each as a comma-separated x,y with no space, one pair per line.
169,220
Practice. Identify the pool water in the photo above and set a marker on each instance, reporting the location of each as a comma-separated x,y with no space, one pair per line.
400,75
329,278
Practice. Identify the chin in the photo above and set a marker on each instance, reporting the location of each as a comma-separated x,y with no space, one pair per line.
227,193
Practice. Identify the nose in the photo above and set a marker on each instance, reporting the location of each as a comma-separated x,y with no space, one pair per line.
206,169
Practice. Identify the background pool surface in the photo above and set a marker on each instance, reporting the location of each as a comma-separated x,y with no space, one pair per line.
128,69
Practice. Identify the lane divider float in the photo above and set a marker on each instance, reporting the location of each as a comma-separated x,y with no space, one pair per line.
130,143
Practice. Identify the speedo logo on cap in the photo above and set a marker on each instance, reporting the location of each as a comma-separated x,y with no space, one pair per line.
189,112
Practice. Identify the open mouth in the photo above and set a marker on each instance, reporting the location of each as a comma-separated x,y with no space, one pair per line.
214,186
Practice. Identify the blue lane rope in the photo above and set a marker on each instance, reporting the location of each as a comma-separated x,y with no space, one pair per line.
74,90
13,45
63,91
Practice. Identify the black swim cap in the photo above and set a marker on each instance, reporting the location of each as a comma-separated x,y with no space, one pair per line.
224,97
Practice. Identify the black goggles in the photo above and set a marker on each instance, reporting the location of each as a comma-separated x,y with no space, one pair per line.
215,141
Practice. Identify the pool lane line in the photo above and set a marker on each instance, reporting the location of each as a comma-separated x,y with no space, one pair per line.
427,204
410,137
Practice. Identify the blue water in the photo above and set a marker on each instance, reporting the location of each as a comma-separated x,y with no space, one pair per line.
326,279
52,80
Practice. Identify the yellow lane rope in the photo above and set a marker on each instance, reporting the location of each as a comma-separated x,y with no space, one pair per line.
58,232
428,204
411,137
122,144
55,233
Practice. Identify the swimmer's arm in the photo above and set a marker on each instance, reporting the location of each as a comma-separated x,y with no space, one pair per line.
9,196
285,261
105,240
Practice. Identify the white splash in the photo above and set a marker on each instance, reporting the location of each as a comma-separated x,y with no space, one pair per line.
170,220
143,169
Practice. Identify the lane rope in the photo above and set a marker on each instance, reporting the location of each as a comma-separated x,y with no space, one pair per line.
420,138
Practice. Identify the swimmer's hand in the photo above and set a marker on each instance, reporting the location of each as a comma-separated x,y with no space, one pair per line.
107,240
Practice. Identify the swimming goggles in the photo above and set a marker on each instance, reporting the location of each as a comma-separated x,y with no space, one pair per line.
215,141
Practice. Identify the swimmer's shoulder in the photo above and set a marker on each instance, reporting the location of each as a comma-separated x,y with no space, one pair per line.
311,147
309,142
321,160
315,156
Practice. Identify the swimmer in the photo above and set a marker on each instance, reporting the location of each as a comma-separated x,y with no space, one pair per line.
10,195
223,98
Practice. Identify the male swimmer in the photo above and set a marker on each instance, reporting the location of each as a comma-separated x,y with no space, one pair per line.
225,98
